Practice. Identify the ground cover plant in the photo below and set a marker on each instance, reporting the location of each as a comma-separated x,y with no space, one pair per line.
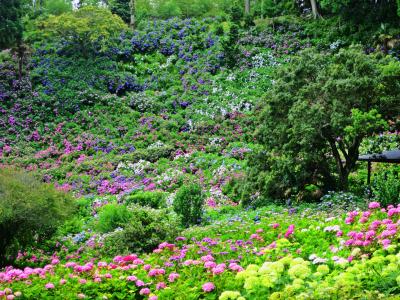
198,149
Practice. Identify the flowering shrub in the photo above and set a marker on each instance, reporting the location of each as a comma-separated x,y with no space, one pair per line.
30,211
153,111
239,256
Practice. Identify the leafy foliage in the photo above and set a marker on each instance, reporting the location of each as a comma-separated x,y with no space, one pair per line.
319,110
145,229
386,186
86,30
120,8
11,27
188,203
112,216
30,211
147,198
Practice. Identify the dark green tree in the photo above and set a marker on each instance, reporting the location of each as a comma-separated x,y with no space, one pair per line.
231,47
11,29
10,23
121,8
363,11
188,204
318,111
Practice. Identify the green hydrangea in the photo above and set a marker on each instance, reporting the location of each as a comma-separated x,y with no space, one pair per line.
323,269
299,271
392,258
267,281
286,260
398,280
229,295
278,266
252,267
276,296
252,283
283,243
298,260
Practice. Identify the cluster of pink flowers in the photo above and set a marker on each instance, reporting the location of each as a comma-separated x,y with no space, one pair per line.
379,230
8,294
289,231
208,287
156,272
351,216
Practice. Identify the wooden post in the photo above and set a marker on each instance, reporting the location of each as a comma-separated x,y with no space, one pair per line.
369,180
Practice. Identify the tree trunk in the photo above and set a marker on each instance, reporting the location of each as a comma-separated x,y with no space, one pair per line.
21,55
247,7
133,20
314,9
262,9
348,152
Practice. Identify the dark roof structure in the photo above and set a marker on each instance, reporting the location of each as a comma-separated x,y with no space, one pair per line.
392,156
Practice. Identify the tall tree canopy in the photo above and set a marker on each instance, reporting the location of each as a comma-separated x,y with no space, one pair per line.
85,29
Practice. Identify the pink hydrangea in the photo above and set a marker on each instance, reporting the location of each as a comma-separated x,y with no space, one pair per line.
392,211
102,264
70,264
235,267
49,286
144,291
370,234
131,278
139,283
209,264
374,205
289,231
207,258
385,243
130,257
208,287
118,259
218,269
153,273
188,262
161,285
255,236
173,276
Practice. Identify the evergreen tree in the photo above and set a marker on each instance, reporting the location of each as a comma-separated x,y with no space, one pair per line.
10,23
121,8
